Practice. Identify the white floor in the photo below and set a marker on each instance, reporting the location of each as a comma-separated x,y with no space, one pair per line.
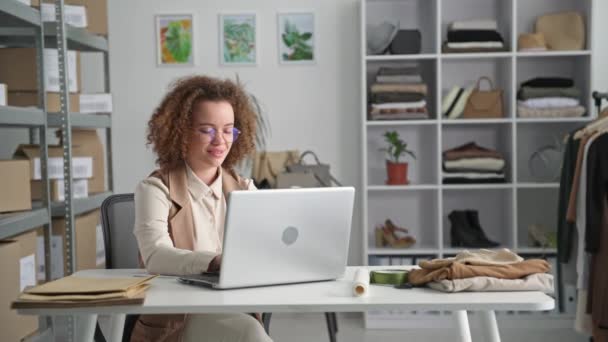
307,327
311,327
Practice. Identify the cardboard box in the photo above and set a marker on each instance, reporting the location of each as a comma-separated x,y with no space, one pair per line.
87,143
80,189
95,103
53,104
16,261
3,94
86,244
73,15
15,185
97,12
82,164
18,72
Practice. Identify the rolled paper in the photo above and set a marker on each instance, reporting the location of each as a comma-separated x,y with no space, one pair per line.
361,283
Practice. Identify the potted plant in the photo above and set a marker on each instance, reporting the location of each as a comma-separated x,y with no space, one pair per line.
396,170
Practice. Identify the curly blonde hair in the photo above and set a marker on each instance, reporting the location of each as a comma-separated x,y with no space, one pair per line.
170,127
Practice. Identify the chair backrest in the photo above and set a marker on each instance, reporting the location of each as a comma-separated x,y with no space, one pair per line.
117,220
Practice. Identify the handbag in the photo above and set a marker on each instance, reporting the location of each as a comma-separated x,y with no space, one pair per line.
268,165
406,42
484,103
319,171
563,30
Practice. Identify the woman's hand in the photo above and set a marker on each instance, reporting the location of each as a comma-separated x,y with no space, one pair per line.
214,265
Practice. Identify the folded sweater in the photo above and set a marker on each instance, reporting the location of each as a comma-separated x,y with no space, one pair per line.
399,88
396,97
550,102
526,93
479,257
549,82
470,150
465,36
566,112
483,24
399,79
461,271
482,164
534,282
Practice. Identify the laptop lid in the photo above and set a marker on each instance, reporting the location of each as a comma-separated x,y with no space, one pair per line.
286,236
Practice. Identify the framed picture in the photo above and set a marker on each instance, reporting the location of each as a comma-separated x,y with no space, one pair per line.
175,39
238,39
297,37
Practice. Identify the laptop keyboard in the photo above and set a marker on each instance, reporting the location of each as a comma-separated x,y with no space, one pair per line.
209,277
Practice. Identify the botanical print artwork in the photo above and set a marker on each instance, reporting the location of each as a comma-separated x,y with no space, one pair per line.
296,37
238,43
174,37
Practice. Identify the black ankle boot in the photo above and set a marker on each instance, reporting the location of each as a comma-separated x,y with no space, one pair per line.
462,233
473,219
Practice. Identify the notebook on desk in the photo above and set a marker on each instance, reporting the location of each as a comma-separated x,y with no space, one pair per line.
283,236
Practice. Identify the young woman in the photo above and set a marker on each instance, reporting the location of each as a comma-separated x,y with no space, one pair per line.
200,130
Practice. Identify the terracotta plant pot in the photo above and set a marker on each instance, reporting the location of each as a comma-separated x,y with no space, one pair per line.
397,173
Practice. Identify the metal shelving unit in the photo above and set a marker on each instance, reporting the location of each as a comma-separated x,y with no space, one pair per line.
20,26
16,16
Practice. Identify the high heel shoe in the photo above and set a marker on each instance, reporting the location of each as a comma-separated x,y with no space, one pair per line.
393,236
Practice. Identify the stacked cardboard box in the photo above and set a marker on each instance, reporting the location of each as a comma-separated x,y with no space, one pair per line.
89,253
96,13
18,265
15,185
88,164
18,72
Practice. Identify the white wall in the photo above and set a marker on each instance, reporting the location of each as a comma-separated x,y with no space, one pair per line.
309,107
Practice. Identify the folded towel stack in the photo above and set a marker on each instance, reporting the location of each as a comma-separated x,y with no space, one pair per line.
549,97
471,163
484,270
398,93
474,36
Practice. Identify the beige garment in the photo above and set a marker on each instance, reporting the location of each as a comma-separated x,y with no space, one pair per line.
480,257
534,282
459,270
582,322
232,327
152,204
420,88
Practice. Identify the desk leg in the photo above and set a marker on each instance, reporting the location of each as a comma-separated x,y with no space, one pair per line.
489,326
462,326
85,327
117,326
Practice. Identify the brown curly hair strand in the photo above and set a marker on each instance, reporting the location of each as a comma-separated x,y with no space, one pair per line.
170,127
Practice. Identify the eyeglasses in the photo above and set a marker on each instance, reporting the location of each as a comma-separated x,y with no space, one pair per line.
209,134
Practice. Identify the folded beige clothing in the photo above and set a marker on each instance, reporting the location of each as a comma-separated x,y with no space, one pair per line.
480,257
459,270
534,282
565,112
400,116
396,88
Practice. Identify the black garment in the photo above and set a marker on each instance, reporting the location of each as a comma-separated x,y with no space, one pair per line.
463,180
597,188
549,82
466,36
390,97
565,230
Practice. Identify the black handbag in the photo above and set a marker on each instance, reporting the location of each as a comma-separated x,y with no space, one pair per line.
406,42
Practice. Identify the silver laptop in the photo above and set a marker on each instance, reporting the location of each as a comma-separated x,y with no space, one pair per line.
283,236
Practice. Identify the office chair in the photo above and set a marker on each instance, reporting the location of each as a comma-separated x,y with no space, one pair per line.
117,221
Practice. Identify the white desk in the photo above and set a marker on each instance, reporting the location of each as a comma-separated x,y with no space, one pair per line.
166,295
